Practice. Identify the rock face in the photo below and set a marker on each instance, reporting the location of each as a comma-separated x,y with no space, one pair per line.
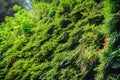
6,7
26,4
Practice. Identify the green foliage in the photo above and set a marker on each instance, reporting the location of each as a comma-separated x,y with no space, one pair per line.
54,41
114,6
17,8
65,7
110,63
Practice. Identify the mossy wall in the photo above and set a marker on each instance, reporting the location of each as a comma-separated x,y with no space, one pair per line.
59,40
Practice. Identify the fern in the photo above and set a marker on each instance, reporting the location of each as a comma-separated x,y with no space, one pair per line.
113,63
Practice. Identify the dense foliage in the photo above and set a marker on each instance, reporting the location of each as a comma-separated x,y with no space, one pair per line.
61,40
112,63
6,7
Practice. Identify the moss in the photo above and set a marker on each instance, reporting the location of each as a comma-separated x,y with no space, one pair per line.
55,40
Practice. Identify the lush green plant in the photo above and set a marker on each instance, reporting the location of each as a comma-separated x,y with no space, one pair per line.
110,58
55,40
